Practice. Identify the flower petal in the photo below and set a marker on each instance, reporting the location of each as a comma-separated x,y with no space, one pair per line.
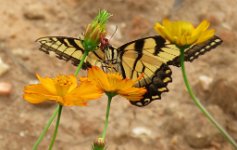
203,26
37,94
164,32
96,74
39,98
73,79
205,36
85,92
48,83
133,94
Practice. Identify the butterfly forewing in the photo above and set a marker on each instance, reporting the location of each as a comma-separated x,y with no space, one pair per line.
194,51
155,50
68,48
167,52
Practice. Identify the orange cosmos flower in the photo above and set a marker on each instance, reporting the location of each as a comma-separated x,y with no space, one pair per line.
62,89
114,84
183,33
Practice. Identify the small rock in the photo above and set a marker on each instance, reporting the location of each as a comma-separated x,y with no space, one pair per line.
22,133
205,82
5,88
3,67
198,140
139,131
24,54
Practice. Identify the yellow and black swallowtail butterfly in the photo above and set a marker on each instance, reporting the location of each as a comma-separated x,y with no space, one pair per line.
150,56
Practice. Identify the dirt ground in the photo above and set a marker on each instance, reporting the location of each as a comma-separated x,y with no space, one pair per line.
173,123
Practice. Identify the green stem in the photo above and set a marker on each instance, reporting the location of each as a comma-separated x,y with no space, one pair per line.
201,107
35,147
56,127
81,62
107,117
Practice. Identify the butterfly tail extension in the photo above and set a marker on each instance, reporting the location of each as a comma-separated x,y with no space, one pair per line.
195,51
156,87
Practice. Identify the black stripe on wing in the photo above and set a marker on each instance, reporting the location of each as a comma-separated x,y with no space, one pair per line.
65,48
156,87
138,48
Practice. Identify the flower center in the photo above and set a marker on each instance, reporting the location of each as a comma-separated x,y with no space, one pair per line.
63,81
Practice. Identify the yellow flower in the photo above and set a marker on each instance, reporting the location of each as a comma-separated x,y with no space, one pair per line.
62,89
183,33
113,84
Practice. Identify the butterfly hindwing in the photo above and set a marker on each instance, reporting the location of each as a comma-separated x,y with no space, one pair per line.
157,85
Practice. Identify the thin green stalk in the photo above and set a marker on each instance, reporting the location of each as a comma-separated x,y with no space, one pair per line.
56,128
81,62
107,117
201,107
35,147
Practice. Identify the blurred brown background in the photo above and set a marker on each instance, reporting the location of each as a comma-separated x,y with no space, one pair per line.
171,124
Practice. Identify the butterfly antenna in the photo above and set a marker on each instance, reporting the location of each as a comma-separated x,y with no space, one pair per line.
116,29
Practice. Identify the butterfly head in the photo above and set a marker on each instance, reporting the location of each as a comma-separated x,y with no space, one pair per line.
104,43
